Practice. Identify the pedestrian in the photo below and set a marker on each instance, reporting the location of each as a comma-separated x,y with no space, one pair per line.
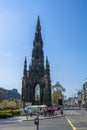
30,112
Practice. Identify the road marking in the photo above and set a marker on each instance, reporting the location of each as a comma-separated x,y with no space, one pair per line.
70,123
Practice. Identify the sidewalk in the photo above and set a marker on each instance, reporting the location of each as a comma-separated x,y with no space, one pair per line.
24,118
28,118
40,117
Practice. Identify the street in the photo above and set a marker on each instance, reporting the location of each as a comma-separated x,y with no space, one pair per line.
47,124
73,120
78,118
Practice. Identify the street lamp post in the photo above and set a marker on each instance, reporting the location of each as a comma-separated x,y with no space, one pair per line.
37,121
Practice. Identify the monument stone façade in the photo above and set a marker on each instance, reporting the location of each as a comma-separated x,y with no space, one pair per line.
36,79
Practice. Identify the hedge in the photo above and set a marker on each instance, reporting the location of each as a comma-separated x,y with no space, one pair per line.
9,113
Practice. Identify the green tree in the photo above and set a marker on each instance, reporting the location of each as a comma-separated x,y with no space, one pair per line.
18,103
4,104
12,104
57,93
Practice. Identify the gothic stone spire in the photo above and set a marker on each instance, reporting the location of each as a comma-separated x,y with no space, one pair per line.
25,68
38,36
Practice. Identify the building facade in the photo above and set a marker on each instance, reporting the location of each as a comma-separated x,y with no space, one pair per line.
36,82
6,94
84,94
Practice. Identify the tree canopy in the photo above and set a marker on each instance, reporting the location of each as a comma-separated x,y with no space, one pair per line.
57,92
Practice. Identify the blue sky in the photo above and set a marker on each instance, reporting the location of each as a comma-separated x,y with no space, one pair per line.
64,33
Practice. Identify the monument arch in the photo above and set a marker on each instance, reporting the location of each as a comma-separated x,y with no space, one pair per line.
37,74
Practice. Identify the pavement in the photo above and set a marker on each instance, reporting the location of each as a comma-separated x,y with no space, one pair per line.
26,118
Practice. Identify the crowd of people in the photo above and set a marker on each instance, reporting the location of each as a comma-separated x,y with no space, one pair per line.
48,111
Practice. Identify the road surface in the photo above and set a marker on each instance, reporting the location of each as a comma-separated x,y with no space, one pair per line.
73,120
